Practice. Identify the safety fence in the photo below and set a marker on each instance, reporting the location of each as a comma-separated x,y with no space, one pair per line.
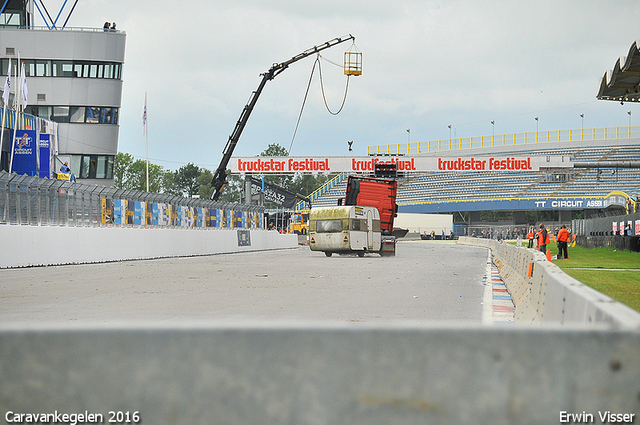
29,200
624,225
525,138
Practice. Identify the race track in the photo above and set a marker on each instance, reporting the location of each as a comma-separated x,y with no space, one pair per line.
425,281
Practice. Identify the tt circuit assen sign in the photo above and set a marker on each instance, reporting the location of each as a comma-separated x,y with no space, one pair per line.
340,164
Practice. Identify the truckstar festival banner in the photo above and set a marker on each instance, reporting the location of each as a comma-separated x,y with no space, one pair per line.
266,164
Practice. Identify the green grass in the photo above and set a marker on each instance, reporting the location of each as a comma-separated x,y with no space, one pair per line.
621,285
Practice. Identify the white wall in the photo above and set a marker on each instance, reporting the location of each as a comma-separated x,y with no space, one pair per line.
38,246
421,223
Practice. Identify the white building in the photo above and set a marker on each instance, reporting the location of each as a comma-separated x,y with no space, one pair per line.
74,77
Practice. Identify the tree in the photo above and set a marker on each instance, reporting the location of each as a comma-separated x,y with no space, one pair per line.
132,174
305,184
282,180
186,179
234,189
121,168
205,190
169,183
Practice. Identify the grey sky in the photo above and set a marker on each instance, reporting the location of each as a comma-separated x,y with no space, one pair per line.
426,65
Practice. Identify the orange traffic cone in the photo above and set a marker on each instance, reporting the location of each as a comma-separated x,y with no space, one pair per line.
548,254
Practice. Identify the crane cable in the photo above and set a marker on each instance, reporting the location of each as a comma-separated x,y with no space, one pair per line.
304,101
346,89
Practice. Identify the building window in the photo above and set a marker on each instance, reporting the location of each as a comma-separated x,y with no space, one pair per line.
76,114
107,116
63,69
43,68
93,115
29,67
92,166
11,18
60,114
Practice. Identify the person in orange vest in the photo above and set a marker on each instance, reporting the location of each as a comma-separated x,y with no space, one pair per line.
543,239
563,239
531,236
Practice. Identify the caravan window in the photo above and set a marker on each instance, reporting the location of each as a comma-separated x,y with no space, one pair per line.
329,226
359,224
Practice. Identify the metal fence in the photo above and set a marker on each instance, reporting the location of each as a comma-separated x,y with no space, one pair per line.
29,200
609,226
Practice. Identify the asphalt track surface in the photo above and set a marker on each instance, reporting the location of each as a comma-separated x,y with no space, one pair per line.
425,281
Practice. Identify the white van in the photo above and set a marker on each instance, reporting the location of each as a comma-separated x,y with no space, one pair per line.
344,229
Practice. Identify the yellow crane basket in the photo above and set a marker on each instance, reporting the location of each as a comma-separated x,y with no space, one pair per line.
352,63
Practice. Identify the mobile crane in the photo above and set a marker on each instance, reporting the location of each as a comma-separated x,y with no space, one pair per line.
220,175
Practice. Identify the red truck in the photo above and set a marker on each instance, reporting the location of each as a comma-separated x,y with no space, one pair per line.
379,193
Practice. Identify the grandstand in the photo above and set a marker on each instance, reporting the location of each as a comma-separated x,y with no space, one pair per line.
595,191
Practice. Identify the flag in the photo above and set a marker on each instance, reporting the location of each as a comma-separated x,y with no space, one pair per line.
7,86
144,115
24,88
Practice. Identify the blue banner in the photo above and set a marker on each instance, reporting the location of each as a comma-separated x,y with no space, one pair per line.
119,211
24,153
45,156
155,214
138,213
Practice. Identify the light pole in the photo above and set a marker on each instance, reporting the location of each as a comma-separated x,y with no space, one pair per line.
408,135
493,124
449,131
629,112
536,126
582,116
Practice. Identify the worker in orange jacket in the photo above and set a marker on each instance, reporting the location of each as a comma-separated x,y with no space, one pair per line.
563,240
531,236
543,239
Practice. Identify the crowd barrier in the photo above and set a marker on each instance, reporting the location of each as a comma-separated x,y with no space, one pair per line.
51,222
543,294
29,200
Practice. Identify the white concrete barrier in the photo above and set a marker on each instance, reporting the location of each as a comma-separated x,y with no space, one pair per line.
319,374
549,295
24,246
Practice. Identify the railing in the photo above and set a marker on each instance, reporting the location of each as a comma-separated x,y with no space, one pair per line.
27,200
321,190
45,28
585,134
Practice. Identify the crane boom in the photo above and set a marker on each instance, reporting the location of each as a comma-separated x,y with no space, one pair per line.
220,175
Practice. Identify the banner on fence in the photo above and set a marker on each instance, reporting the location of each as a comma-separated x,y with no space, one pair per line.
272,193
24,159
44,145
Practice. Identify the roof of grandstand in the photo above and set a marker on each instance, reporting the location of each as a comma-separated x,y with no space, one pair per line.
577,188
623,81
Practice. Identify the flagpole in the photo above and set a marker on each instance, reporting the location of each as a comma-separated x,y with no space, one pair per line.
146,132
5,101
15,110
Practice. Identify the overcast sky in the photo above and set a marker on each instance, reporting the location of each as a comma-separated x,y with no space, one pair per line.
426,65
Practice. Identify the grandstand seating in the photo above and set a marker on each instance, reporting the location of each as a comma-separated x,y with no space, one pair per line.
420,188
